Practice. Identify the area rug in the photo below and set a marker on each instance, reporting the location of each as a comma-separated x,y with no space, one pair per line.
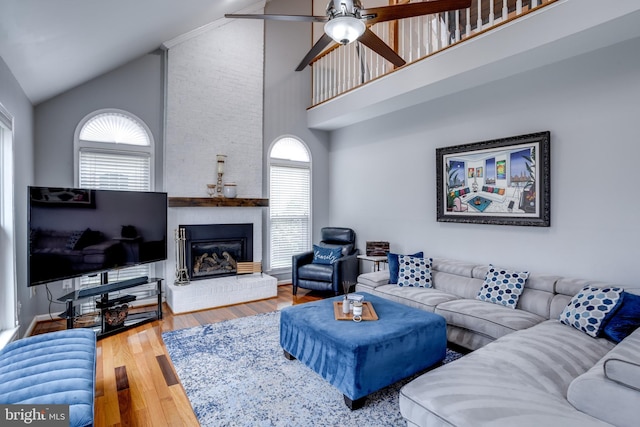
235,374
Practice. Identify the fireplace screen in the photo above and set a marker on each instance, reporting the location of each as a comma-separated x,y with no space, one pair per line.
215,258
214,250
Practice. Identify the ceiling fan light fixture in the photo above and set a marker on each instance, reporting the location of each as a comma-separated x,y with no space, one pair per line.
344,29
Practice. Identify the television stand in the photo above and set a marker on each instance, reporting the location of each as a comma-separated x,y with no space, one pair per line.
109,300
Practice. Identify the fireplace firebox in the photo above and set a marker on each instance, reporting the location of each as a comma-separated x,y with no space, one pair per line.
213,250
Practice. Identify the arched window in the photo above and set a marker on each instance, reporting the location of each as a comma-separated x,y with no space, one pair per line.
289,202
113,150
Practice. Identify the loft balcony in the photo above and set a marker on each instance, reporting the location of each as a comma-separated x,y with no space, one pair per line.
454,51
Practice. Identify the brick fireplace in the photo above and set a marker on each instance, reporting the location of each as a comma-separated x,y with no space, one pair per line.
218,289
197,130
213,250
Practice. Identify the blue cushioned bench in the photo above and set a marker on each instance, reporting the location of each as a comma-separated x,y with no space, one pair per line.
360,358
54,368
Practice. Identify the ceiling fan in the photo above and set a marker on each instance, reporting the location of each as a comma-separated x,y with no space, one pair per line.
346,21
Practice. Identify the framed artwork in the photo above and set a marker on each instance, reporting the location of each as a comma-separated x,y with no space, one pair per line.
72,197
507,181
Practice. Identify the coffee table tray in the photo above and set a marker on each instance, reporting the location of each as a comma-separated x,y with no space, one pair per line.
368,312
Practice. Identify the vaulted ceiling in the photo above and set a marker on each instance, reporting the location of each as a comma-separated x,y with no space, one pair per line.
51,46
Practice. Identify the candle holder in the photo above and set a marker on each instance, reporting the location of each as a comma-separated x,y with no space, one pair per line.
221,158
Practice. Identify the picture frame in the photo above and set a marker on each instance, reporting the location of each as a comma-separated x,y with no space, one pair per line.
511,184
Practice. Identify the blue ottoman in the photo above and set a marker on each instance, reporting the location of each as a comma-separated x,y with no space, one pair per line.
54,368
360,358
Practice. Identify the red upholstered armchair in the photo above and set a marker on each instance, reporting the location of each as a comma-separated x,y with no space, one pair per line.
327,277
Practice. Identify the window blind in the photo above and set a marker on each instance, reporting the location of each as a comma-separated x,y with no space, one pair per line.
110,170
114,170
290,208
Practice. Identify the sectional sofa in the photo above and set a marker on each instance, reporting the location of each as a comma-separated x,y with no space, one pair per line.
527,368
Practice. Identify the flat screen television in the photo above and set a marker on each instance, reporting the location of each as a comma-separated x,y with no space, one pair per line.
75,232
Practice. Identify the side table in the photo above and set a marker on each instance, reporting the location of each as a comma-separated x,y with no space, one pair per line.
376,259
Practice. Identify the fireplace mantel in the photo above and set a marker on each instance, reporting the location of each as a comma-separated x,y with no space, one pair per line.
183,202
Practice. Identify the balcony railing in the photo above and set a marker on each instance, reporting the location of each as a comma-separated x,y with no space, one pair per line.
343,68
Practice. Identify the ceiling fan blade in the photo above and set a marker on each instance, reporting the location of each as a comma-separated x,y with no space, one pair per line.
315,50
375,43
297,18
409,10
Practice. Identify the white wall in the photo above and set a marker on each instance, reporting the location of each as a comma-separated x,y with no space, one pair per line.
214,106
383,171
287,94
16,102
135,87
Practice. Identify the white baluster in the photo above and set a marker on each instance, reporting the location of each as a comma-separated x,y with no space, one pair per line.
491,14
423,36
534,3
400,31
336,71
329,77
439,31
457,26
447,29
429,41
314,74
325,70
468,29
318,77
345,69
352,56
518,7
479,22
378,58
505,10
355,64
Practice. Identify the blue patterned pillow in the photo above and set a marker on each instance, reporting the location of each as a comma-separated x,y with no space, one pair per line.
502,286
626,319
588,308
325,255
414,271
394,267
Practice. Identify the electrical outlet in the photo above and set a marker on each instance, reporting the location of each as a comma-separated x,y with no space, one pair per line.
67,284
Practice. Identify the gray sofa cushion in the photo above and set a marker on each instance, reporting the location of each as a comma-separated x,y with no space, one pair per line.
374,279
485,318
422,298
623,372
608,390
459,268
518,380
459,286
565,289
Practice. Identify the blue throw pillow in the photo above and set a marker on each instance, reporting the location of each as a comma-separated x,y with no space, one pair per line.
414,272
394,266
325,255
588,309
502,286
624,320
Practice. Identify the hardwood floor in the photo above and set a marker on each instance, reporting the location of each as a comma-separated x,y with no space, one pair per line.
136,384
